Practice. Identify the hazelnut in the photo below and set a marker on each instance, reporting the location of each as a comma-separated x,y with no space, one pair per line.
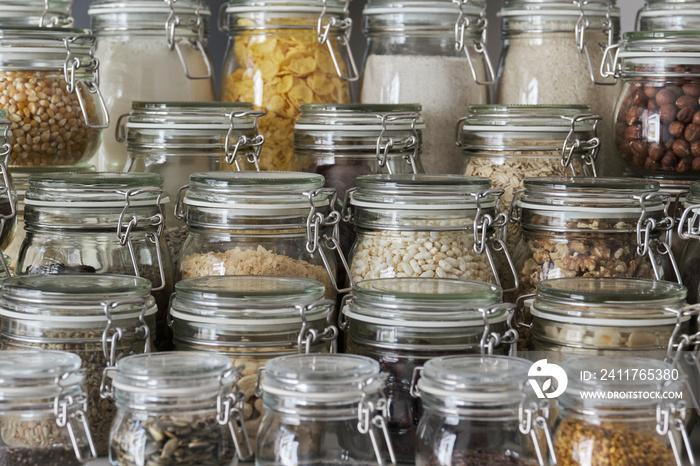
691,89
633,114
685,114
675,89
667,112
681,148
669,161
664,96
633,132
686,101
692,133
652,105
656,152
696,164
640,149
696,118
684,165
651,90
695,148
676,129
651,166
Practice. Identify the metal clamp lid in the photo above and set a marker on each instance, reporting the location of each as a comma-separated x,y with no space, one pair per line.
156,220
6,190
462,24
533,416
174,43
229,412
590,147
256,142
582,25
491,340
71,66
411,142
309,336
670,422
345,26
372,416
61,405
54,21
646,225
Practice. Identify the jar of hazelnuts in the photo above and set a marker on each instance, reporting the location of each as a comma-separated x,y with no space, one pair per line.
657,116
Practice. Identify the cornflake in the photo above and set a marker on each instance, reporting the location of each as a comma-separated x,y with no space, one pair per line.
278,71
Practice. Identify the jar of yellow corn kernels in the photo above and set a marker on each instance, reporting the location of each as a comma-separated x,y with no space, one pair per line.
49,89
282,55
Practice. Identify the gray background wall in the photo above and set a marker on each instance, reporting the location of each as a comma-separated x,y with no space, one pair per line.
217,40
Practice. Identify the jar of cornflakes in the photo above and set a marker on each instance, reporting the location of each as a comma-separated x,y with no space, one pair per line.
486,395
323,409
43,409
665,15
618,411
260,223
42,13
432,53
98,317
403,322
154,51
252,320
95,223
283,54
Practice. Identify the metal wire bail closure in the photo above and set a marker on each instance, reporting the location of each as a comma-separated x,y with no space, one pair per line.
63,403
371,417
670,422
6,190
689,226
316,222
382,148
345,26
53,21
461,26
308,336
646,226
229,412
580,37
197,26
73,85
491,340
243,142
678,343
590,147
533,416
156,220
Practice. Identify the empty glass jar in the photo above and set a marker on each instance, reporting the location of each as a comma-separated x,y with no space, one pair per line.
252,320
43,409
283,54
154,51
323,410
176,408
403,322
472,411
98,317
448,40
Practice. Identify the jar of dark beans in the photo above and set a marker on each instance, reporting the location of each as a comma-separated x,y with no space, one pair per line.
657,116
403,322
477,401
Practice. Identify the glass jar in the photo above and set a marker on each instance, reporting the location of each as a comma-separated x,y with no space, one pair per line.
252,320
552,54
426,226
472,406
152,51
608,315
449,39
8,195
99,318
259,223
20,180
321,410
175,408
177,139
602,428
42,13
403,322
98,223
43,408
50,90
656,131
282,54
689,229
665,15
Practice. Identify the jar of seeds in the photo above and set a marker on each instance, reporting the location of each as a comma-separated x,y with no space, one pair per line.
252,320
49,88
552,55
323,410
478,401
443,226
403,322
98,317
42,13
176,409
97,223
260,223
609,316
597,427
42,410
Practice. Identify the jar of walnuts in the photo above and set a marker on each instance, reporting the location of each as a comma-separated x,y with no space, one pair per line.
657,116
